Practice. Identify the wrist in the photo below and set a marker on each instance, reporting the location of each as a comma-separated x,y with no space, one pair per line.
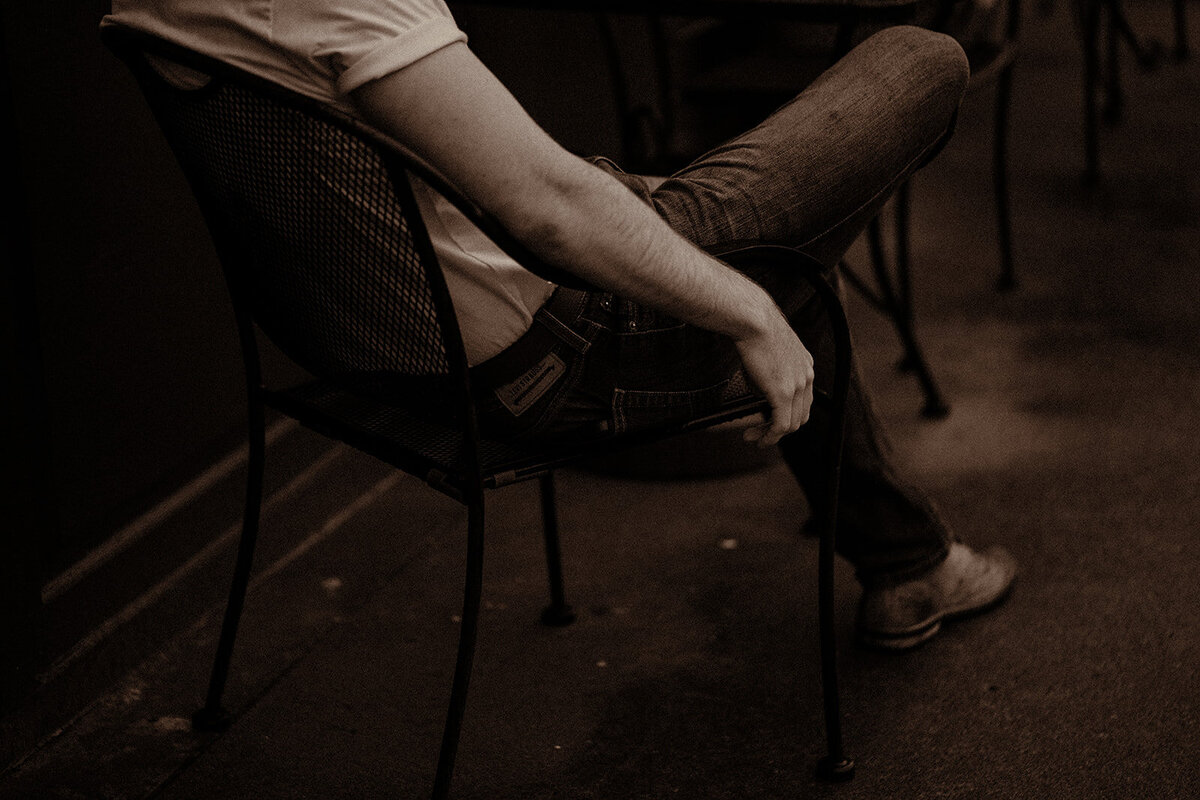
758,316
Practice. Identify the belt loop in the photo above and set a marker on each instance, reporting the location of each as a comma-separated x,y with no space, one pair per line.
564,332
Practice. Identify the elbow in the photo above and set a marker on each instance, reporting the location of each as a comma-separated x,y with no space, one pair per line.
547,217
545,235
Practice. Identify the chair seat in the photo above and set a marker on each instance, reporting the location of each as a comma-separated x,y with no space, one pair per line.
434,451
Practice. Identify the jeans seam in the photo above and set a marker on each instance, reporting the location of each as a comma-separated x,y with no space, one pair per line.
905,172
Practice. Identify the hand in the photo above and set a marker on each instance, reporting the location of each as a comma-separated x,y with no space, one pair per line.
782,369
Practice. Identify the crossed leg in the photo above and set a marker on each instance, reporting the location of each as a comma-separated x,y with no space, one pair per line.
811,176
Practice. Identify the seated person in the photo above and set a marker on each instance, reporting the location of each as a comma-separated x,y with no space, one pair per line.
670,329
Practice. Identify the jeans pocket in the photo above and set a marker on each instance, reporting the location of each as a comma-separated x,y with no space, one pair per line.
637,410
518,408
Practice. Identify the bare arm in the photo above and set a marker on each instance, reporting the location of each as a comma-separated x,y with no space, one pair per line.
450,109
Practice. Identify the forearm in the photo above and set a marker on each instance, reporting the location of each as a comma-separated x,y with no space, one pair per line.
453,112
602,232
568,212
594,227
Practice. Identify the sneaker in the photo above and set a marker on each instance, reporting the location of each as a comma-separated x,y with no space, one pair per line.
967,582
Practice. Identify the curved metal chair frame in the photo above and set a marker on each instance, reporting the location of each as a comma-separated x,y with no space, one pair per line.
359,398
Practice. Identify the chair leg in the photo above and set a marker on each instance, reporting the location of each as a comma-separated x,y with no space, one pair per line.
468,633
835,765
558,613
1148,53
903,250
1090,34
901,316
1182,51
213,717
1114,106
1007,279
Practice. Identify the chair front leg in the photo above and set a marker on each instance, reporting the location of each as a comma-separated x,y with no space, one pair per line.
835,765
1182,51
467,636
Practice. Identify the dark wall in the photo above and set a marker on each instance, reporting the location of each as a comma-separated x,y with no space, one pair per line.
141,368
140,365
122,373
555,64
25,505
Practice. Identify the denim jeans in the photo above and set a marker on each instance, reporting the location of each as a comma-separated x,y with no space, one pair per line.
810,176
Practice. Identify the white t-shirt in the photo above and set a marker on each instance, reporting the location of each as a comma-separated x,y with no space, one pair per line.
325,49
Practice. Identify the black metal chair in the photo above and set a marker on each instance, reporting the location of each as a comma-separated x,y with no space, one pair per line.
1107,17
314,221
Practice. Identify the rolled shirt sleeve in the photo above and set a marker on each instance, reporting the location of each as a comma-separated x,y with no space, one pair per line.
321,48
326,49
359,41
388,57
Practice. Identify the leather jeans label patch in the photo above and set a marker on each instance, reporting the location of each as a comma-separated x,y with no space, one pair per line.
526,390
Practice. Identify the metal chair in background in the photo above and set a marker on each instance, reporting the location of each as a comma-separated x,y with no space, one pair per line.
991,61
322,248
1107,19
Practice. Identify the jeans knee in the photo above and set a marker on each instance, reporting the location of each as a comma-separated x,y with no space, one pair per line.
949,63
932,62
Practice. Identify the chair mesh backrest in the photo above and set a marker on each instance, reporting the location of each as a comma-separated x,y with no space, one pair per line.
312,232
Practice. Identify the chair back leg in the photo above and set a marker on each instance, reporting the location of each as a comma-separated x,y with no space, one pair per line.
213,717
558,613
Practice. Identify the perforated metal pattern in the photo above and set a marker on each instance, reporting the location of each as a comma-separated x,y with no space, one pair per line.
308,218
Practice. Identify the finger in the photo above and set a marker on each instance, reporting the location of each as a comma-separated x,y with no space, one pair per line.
805,395
781,420
799,410
803,405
